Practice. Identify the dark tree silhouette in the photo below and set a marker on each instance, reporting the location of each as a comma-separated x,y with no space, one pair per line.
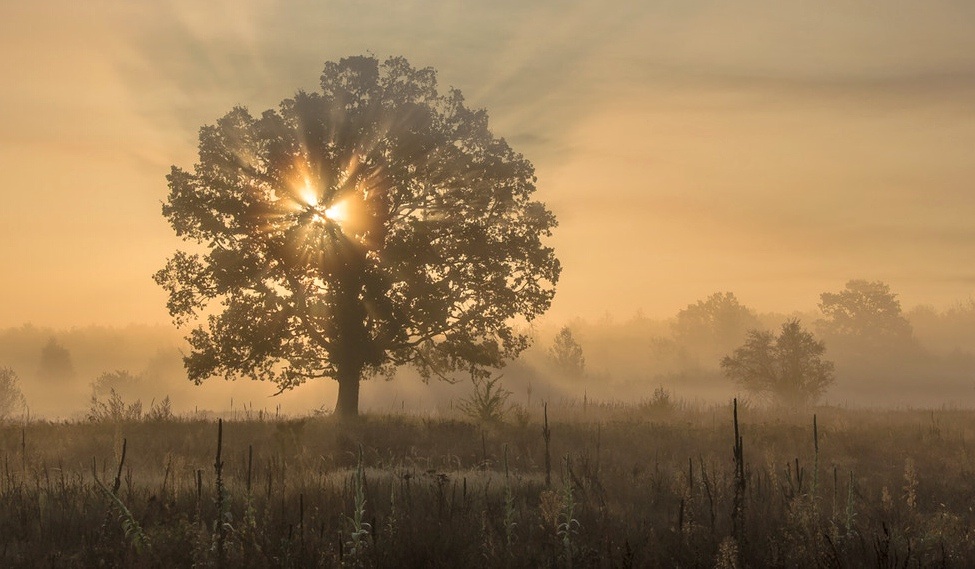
790,368
121,381
374,224
566,354
55,364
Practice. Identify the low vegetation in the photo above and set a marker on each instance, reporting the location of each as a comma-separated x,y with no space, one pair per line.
629,486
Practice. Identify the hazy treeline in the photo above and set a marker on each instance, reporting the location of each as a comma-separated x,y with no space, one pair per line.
929,359
60,371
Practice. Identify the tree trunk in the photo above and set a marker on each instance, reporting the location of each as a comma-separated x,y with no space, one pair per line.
351,342
347,406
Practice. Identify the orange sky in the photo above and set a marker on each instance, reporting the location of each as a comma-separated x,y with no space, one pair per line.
687,147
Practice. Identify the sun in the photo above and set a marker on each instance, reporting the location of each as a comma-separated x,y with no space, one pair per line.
308,194
338,212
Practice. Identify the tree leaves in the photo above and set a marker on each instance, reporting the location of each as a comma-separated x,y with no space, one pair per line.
789,368
443,248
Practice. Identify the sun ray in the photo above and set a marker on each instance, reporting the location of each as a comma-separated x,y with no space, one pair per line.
338,212
308,194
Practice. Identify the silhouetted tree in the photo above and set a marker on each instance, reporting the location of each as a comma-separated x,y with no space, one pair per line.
714,326
864,317
566,354
121,381
790,368
55,364
373,224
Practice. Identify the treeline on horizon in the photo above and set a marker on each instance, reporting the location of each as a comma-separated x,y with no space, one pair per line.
883,355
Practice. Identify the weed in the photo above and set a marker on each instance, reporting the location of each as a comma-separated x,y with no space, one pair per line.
487,403
359,529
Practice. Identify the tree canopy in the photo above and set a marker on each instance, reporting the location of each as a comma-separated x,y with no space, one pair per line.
566,354
864,316
715,325
373,224
55,363
789,367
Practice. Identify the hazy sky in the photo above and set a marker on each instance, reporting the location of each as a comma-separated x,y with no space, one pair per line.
771,149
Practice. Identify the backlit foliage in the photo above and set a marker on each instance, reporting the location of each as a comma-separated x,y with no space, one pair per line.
372,224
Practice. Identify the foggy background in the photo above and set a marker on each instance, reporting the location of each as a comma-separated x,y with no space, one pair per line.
633,360
687,147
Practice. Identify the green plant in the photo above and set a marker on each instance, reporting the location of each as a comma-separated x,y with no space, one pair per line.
114,409
162,411
568,525
660,402
509,508
488,402
359,530
131,528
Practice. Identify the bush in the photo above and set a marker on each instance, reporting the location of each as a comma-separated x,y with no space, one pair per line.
488,402
113,409
10,395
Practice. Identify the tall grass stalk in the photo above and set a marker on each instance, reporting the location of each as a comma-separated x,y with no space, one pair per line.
359,529
569,525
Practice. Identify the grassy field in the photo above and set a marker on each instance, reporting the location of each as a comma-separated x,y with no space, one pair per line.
627,486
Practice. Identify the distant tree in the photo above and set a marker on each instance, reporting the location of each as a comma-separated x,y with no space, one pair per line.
120,381
374,224
566,354
790,368
56,364
945,331
713,326
864,316
11,398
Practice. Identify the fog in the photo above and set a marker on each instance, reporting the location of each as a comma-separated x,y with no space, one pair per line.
625,361
686,148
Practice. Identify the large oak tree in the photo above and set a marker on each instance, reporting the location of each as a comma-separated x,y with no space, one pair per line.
373,224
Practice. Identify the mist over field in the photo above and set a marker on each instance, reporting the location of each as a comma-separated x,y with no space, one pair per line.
625,361
562,283
775,152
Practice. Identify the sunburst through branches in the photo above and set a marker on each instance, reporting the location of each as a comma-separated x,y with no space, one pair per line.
373,224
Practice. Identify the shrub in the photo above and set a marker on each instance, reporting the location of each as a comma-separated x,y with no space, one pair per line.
10,395
488,403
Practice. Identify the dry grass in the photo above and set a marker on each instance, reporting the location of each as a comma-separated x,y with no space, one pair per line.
649,487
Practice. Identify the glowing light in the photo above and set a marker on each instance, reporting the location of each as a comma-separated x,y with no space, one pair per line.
338,212
308,194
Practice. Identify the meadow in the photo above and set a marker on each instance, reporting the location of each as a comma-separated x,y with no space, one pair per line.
657,484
